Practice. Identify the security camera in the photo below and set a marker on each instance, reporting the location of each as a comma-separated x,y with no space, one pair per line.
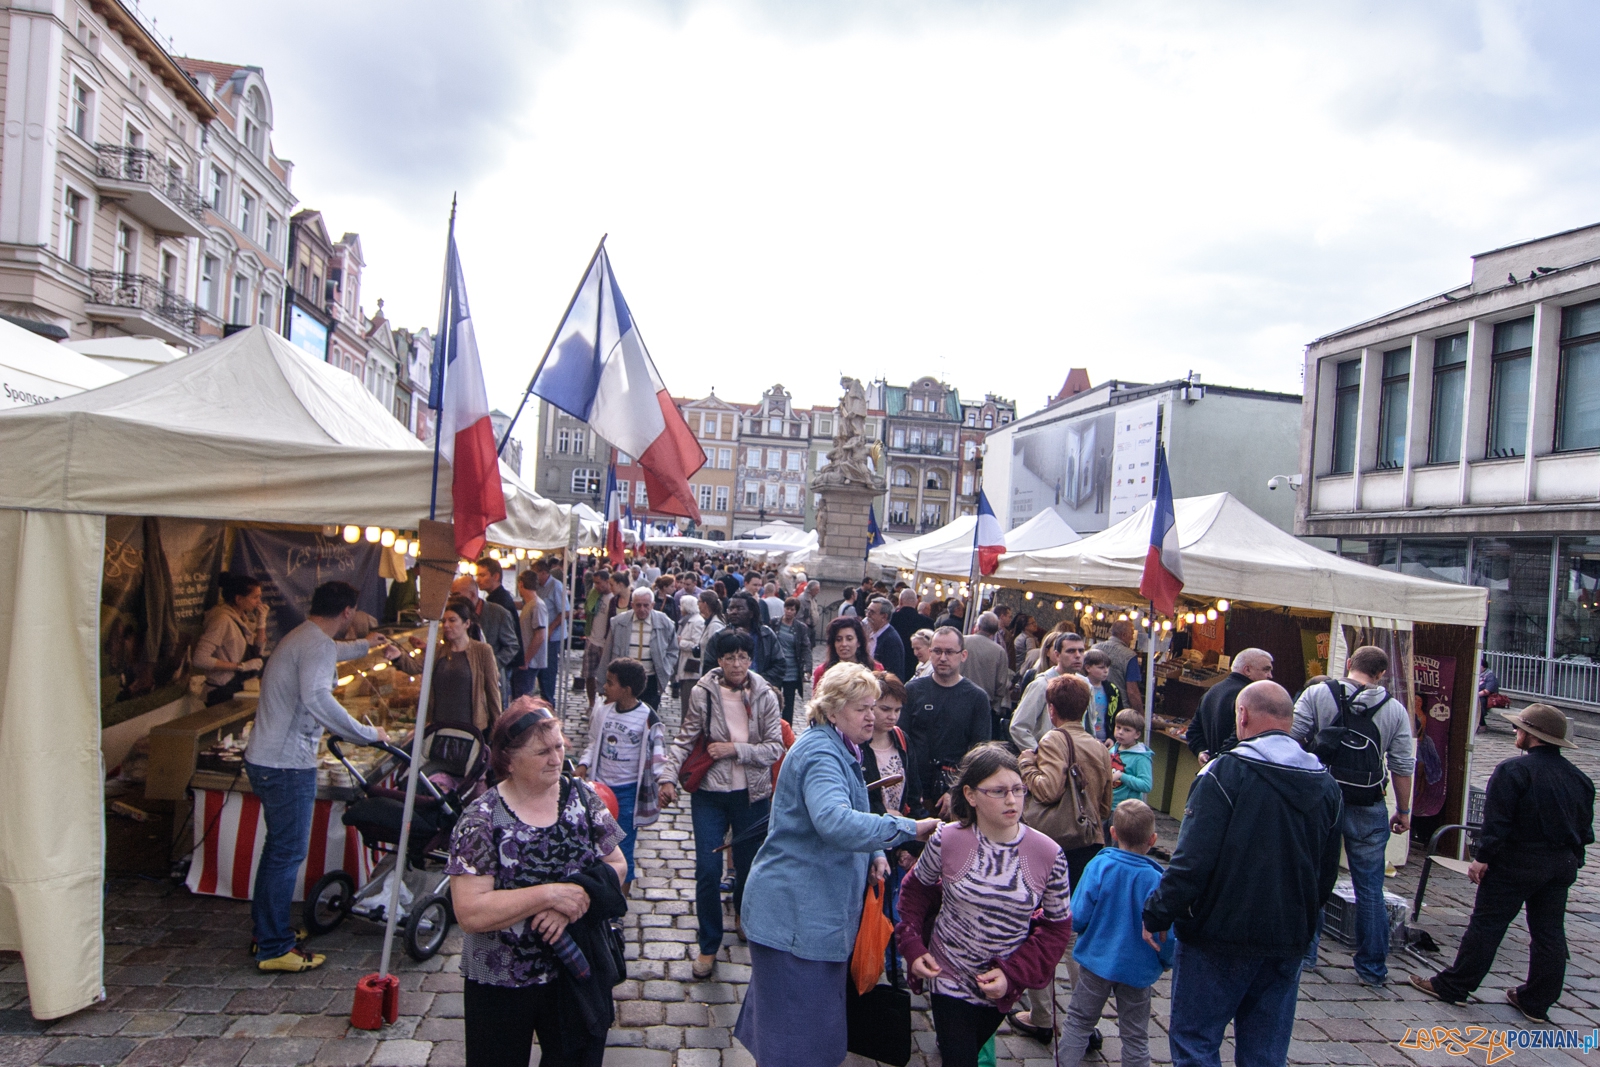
1291,480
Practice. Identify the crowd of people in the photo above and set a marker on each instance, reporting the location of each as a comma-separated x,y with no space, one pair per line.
993,782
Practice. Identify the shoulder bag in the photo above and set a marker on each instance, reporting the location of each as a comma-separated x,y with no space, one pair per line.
695,765
1072,821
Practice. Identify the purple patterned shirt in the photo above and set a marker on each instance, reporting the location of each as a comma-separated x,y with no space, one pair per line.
490,839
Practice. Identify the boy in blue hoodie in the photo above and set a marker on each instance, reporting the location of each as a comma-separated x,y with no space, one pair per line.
1112,954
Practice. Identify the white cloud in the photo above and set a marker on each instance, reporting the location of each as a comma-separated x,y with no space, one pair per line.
992,193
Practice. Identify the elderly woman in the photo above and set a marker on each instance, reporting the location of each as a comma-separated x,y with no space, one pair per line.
534,864
466,676
736,712
803,906
229,650
847,643
922,648
691,630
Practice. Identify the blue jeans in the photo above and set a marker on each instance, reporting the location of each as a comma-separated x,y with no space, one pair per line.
627,796
524,680
714,814
1257,993
547,680
288,798
1365,829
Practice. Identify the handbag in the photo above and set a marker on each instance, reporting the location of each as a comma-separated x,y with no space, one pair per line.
695,765
1072,820
878,1022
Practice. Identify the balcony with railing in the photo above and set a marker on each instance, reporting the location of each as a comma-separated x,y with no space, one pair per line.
1568,681
141,305
150,189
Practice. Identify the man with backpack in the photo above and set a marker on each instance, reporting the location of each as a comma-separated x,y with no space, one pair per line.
1357,729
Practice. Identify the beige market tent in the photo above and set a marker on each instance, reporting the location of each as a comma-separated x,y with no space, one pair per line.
1230,551
249,430
34,370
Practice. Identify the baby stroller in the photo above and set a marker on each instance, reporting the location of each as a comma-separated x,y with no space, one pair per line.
454,761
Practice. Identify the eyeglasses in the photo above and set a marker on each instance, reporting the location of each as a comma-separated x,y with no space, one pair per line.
736,657
945,651
1001,792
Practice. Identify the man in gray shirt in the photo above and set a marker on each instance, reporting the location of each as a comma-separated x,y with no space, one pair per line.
281,760
989,668
1355,742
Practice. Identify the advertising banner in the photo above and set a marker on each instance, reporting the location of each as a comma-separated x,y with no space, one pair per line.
291,564
1065,465
1133,458
1433,690
307,334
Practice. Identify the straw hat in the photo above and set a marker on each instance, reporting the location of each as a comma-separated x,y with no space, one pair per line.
1542,721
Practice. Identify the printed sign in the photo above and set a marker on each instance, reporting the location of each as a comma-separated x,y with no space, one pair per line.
291,564
1433,690
1133,458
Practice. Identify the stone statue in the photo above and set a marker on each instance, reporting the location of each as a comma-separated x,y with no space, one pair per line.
849,461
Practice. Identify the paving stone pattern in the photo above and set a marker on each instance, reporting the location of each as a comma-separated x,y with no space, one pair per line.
180,989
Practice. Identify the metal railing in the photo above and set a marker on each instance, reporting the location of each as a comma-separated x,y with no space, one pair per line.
146,294
1571,680
142,165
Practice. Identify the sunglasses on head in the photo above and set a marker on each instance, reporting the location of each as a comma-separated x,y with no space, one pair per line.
527,722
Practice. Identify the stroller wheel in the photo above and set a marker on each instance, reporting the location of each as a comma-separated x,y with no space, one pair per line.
328,902
427,926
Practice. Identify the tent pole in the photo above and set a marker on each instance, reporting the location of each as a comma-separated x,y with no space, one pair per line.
1150,678
392,910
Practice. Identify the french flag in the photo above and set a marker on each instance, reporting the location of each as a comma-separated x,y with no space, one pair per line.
598,370
987,539
614,548
1162,580
465,434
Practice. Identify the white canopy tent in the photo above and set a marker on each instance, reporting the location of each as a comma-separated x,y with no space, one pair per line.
1230,551
127,355
250,430
954,560
903,555
34,370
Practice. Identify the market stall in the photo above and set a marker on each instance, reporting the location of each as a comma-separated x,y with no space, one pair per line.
953,558
34,370
249,436
1249,584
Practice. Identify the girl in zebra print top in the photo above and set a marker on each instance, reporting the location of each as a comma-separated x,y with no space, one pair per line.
1004,917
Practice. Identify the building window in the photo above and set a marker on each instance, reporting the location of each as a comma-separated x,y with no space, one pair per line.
72,228
775,427
81,99
1578,628
752,459
271,240
947,444
902,476
240,309
623,459
916,403
622,491
580,481
578,437
641,497
791,496
935,480
1393,400
563,441
966,484
771,494
824,426
724,459
750,496
988,422
900,512
1517,574
705,498
1449,395
254,136
795,461
1346,406
899,437
1578,395
169,272
247,214
210,267
1509,383
722,498
709,427
219,191
932,515
264,307
774,459
972,417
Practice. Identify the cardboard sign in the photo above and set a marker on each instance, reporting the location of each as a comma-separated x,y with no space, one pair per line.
436,566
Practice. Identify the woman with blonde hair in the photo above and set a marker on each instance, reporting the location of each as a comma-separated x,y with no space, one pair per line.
802,905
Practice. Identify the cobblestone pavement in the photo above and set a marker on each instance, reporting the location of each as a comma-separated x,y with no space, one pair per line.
180,989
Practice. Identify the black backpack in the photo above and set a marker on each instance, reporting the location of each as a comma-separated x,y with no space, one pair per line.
1352,750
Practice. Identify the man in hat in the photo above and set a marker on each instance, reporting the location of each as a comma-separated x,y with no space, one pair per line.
1537,818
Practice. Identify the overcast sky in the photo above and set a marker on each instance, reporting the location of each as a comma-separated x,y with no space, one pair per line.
988,192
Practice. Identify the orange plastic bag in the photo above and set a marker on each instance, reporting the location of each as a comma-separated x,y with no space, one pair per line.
872,939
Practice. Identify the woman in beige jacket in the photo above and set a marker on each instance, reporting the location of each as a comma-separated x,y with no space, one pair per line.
466,676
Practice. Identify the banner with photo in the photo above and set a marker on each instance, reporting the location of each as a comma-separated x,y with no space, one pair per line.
292,563
1434,697
1133,458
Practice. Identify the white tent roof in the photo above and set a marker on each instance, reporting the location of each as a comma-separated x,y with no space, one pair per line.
33,369
250,429
1230,551
1045,530
127,355
954,559
905,555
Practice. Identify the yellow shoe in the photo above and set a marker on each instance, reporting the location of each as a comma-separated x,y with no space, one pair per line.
294,961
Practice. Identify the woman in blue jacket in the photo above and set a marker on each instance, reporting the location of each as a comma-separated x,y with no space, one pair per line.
802,903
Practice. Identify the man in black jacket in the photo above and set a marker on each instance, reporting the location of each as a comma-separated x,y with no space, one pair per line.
1538,817
1211,730
907,620
1256,858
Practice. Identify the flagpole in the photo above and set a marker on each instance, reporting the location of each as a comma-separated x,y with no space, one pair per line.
1150,677
438,370
549,347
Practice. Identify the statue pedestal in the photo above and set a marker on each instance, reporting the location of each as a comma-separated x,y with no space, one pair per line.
841,559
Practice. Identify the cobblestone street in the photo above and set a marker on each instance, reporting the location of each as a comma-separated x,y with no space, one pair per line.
180,989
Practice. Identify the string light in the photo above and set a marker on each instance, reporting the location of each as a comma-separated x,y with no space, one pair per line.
1123,617
1211,614
413,548
1145,623
1058,605
1166,624
387,539
401,544
1077,605
352,534
1028,595
1223,605
373,533
522,553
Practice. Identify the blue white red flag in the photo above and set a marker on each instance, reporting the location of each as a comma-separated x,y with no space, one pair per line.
457,393
988,542
614,547
1162,580
598,370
